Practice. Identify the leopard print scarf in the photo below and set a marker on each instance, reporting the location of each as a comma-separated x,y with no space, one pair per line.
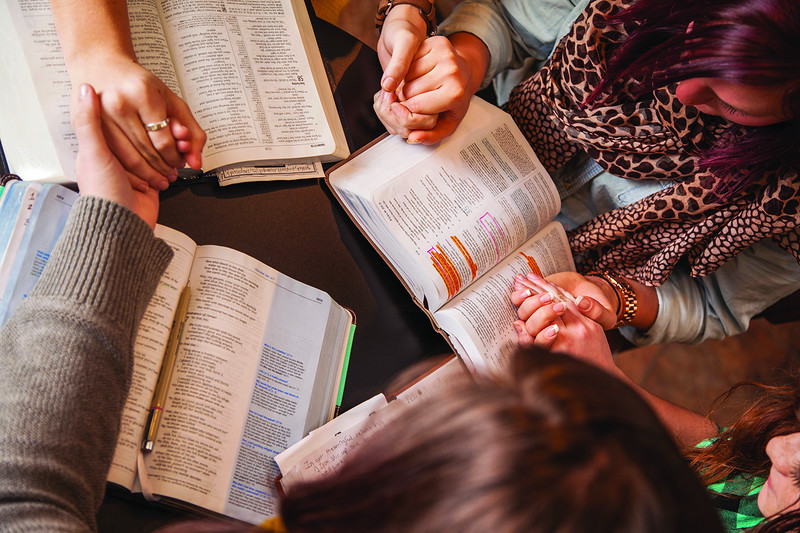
653,137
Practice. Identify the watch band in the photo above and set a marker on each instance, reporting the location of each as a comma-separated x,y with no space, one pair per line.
426,9
628,303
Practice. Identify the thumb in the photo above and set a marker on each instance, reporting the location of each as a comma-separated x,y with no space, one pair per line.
591,308
86,120
402,55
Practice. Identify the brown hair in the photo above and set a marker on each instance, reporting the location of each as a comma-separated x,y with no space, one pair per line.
557,445
741,449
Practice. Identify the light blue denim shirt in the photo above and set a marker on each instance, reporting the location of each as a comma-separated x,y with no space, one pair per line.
520,36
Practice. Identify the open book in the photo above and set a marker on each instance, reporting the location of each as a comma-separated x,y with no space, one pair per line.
260,362
323,451
456,222
250,71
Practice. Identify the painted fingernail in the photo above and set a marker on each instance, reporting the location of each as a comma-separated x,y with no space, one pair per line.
519,277
83,91
546,298
583,303
551,331
559,307
527,293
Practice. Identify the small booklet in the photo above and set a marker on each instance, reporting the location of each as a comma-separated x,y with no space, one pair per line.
260,362
324,450
250,71
456,222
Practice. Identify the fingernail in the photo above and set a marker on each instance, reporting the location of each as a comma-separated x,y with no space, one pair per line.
141,186
583,303
83,91
386,83
412,141
546,298
519,277
527,293
162,185
551,331
559,307
518,327
533,277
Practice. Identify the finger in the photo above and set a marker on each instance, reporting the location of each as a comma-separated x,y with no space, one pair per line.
179,111
117,109
522,334
412,121
547,337
592,309
403,52
445,126
543,316
131,159
87,124
166,153
380,104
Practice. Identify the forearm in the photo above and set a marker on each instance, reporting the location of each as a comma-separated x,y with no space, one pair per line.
88,29
686,426
67,359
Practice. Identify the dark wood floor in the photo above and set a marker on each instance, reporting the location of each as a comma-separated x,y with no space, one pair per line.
695,375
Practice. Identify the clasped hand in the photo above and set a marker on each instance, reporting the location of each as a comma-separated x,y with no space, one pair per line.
427,83
130,98
559,324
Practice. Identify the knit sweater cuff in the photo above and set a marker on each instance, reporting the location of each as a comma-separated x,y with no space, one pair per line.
107,259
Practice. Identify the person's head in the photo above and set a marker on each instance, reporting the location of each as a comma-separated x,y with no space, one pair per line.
736,59
558,445
765,441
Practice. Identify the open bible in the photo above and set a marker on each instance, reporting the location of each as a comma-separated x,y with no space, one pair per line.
456,222
250,72
260,361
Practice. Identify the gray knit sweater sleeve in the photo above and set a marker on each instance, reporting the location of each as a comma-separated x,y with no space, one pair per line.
66,356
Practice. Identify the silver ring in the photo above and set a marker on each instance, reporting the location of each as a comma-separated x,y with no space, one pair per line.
155,126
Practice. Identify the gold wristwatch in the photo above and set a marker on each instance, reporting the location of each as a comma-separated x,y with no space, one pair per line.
628,303
426,9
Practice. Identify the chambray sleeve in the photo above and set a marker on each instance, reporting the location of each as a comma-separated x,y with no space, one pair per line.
516,32
722,303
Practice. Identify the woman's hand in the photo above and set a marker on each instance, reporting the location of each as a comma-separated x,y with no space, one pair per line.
427,83
99,172
131,97
559,324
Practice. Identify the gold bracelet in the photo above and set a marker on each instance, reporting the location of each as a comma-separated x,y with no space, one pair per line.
628,303
426,9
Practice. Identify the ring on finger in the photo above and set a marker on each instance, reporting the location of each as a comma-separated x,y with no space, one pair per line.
155,126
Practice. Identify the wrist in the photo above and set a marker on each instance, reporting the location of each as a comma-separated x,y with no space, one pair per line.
421,14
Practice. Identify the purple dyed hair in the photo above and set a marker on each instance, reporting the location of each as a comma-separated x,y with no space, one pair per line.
751,42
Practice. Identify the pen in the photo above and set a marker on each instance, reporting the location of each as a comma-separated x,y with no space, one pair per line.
167,365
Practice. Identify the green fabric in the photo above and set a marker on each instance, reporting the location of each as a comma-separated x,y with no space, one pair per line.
736,499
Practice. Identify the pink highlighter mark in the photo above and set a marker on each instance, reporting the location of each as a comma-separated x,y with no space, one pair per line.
489,223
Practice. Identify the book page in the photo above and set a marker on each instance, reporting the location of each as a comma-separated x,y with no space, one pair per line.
325,450
148,351
241,385
459,210
34,112
481,318
247,78
150,43
48,217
